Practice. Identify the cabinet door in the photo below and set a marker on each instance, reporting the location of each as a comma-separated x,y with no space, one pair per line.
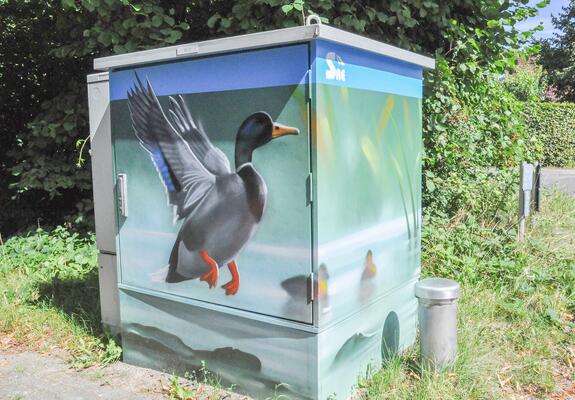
181,210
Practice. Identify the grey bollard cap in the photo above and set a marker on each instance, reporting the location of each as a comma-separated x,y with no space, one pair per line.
437,289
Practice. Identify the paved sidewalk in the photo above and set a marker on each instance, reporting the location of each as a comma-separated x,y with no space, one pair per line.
34,376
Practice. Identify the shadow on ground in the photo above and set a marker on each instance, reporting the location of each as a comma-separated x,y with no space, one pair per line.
79,298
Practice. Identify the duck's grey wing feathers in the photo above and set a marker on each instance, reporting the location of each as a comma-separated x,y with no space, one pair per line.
210,156
184,176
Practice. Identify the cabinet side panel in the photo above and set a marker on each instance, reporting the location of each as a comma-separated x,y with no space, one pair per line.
101,150
358,346
368,153
109,301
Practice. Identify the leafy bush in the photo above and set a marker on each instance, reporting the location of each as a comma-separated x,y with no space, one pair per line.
58,267
44,111
478,243
553,124
45,255
474,140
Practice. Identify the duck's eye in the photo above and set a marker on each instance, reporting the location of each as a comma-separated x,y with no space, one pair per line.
276,127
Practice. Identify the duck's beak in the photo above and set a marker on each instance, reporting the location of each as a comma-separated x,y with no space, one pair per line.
282,130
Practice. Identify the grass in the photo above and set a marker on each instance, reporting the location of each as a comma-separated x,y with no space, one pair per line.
516,331
201,384
49,297
516,319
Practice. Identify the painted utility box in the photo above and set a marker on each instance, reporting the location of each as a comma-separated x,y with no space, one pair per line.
258,199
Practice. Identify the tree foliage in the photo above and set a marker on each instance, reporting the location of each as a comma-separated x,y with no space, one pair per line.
46,51
47,47
558,54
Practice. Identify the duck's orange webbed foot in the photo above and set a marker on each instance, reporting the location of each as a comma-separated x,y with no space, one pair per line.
233,285
211,277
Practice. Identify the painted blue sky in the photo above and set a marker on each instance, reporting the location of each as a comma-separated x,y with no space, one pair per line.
544,17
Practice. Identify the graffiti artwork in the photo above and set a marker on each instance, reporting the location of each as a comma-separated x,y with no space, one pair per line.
212,194
325,224
220,209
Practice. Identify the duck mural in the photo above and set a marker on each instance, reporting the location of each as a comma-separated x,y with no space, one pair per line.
369,268
367,284
220,208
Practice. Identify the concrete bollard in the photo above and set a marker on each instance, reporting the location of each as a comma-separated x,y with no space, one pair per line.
437,321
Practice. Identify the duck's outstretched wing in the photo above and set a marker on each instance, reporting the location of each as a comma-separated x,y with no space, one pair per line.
184,176
213,158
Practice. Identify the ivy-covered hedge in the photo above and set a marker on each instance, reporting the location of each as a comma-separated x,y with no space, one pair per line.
553,124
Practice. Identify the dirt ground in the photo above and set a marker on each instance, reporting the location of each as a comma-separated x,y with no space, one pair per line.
34,376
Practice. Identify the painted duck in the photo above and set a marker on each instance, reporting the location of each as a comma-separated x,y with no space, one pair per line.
220,209
367,284
297,286
369,268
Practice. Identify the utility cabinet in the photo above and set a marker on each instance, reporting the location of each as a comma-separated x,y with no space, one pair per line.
258,206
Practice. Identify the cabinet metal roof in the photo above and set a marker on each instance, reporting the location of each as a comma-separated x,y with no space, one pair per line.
250,41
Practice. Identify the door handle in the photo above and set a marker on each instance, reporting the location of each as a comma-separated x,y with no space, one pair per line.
122,188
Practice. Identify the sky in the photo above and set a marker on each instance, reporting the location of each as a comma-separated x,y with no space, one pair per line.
544,17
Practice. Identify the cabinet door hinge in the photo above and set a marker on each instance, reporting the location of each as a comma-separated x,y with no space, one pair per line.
311,285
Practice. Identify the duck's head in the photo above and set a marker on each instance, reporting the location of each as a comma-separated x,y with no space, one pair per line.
256,130
369,268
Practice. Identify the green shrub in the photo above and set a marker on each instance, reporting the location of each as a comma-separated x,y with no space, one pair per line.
44,255
553,124
474,138
56,269
478,244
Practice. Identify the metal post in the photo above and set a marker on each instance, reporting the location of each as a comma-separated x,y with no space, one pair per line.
537,187
437,321
525,188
